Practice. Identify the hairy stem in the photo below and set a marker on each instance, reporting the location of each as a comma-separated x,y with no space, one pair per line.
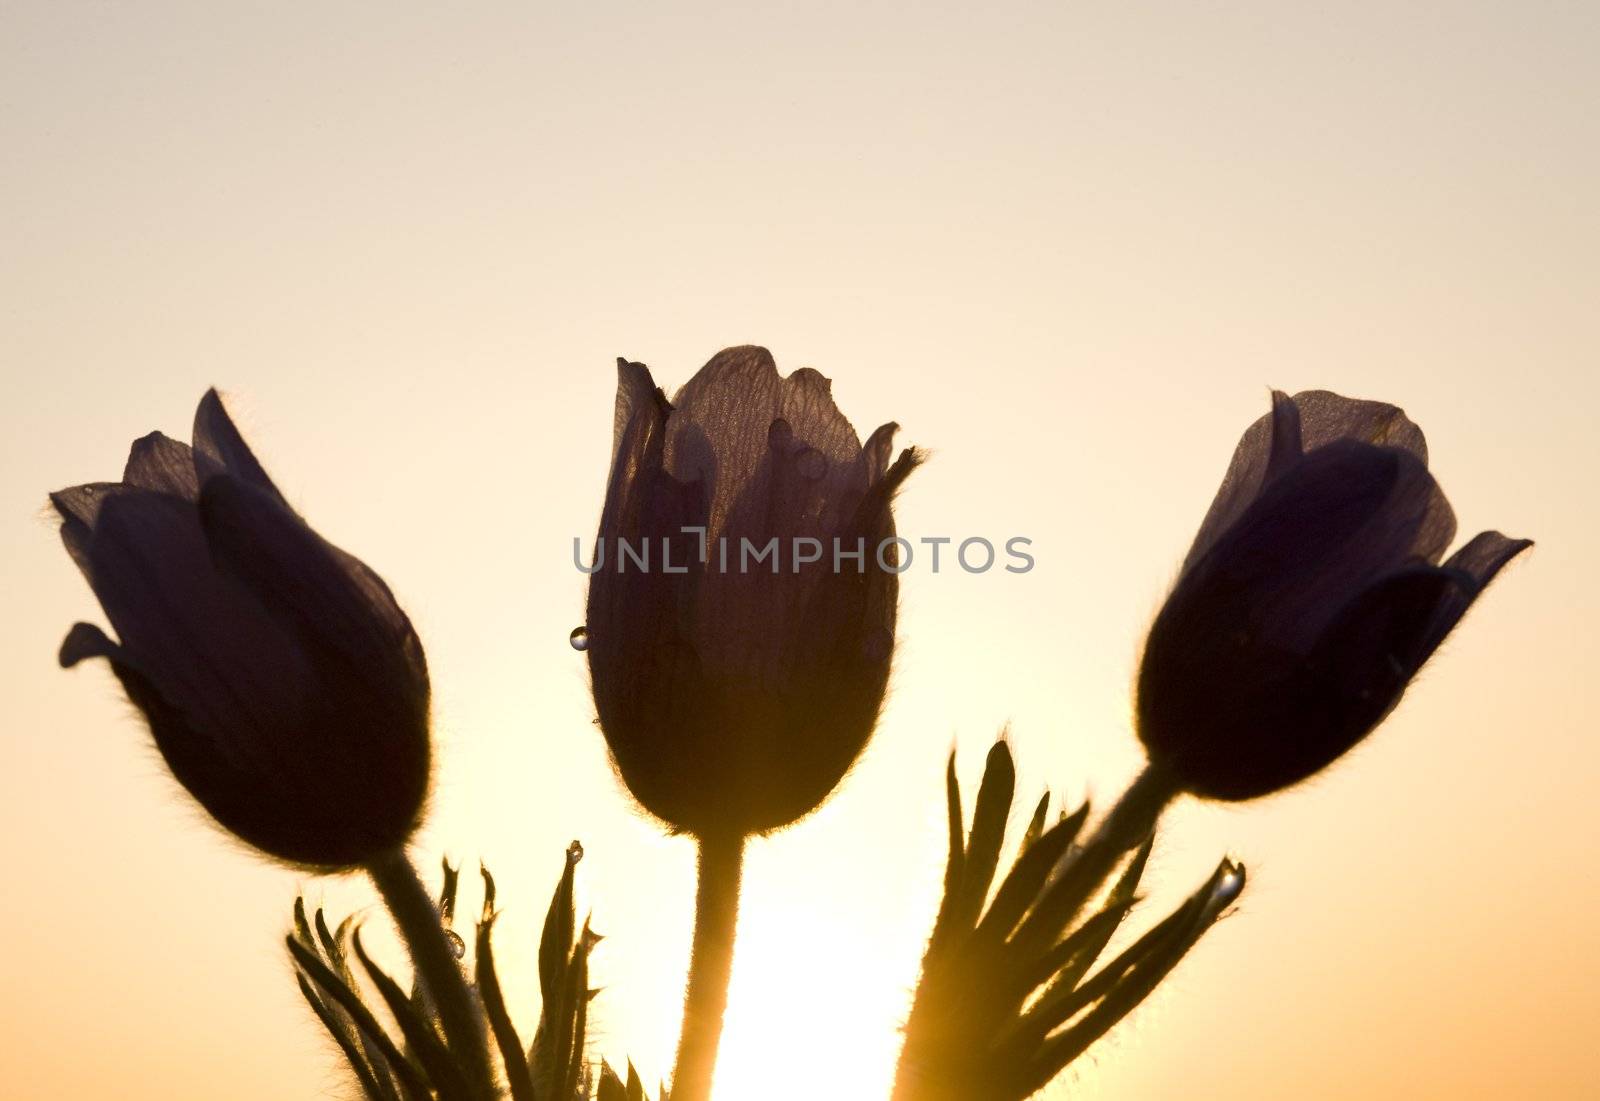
434,958
1130,820
1133,816
716,914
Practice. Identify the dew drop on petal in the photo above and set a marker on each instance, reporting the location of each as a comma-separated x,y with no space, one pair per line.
579,638
812,464
457,946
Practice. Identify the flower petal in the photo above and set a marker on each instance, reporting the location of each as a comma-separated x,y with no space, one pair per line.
201,640
720,432
1381,639
808,406
1286,446
79,509
1485,554
1476,563
1326,416
746,623
637,393
85,641
636,461
876,451
82,504
220,449
1268,447
1314,536
162,464
327,599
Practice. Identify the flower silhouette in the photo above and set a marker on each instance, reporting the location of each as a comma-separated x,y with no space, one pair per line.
282,683
734,697
736,691
1312,595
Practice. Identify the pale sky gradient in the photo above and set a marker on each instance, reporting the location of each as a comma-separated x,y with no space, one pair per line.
1067,246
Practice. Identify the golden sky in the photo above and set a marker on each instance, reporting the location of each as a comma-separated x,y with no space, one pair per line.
1068,246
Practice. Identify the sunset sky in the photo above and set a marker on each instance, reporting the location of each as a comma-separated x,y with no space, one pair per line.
1069,247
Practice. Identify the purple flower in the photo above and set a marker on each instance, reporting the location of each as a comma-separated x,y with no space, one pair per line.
1313,593
735,694
282,683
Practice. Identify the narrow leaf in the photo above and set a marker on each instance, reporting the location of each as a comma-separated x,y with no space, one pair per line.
555,945
1035,824
1138,985
578,987
611,1087
343,1035
1021,885
1120,897
955,865
419,1032
411,1080
518,1074
989,816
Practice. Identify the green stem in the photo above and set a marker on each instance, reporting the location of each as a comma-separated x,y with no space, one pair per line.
434,958
716,915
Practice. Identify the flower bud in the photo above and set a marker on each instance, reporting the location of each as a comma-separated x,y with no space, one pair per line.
735,691
1313,593
282,683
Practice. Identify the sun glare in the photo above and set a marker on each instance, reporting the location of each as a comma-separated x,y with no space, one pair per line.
814,1008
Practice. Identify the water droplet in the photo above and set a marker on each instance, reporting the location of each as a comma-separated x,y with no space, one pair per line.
457,945
575,852
812,464
579,638
1228,887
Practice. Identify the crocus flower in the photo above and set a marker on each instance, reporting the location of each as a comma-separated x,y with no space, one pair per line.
282,683
1313,593
735,692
